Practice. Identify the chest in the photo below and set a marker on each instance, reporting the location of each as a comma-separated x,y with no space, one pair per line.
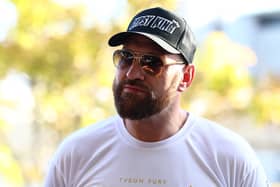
129,167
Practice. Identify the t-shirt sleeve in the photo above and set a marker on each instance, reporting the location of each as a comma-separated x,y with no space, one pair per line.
59,168
54,177
256,178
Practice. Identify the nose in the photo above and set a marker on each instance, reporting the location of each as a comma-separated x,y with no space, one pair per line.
135,71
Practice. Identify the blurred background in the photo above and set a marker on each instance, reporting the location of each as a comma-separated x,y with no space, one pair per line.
56,73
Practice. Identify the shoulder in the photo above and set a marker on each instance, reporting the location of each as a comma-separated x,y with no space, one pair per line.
225,150
79,148
221,143
214,134
105,127
88,138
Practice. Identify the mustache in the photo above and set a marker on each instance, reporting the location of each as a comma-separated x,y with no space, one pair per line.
136,82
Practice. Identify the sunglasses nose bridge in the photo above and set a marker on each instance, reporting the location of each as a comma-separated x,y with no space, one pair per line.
145,69
135,71
137,60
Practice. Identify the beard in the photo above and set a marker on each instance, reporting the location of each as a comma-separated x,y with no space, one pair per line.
134,106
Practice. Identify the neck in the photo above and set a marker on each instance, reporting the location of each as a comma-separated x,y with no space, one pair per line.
159,126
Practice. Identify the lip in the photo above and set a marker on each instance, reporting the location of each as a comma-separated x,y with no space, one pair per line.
132,88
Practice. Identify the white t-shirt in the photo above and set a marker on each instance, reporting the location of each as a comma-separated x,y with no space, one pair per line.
201,154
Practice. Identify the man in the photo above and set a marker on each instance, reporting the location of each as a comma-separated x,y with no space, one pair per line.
153,142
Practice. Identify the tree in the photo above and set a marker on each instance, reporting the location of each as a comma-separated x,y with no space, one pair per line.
69,67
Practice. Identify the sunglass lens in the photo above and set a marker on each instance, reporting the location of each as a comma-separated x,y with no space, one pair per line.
151,64
122,59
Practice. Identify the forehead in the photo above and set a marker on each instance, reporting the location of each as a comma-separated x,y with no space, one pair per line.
141,43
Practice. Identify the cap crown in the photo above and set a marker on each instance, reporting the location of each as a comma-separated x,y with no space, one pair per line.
163,27
158,22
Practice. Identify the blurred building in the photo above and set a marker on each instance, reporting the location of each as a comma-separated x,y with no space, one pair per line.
259,31
255,24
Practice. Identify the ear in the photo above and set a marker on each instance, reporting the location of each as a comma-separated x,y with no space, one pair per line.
188,76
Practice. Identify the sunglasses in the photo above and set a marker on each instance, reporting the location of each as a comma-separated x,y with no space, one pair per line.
150,64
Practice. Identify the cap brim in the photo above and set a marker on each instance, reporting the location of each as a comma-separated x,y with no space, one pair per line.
120,38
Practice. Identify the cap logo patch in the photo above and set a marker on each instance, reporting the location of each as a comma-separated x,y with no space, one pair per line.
155,22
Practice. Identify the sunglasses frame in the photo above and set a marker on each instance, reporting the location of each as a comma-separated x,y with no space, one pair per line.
140,56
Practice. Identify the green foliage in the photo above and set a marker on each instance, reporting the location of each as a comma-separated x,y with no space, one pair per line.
224,87
71,74
10,171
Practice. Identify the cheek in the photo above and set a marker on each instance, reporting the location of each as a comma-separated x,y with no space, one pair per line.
119,75
117,79
172,80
